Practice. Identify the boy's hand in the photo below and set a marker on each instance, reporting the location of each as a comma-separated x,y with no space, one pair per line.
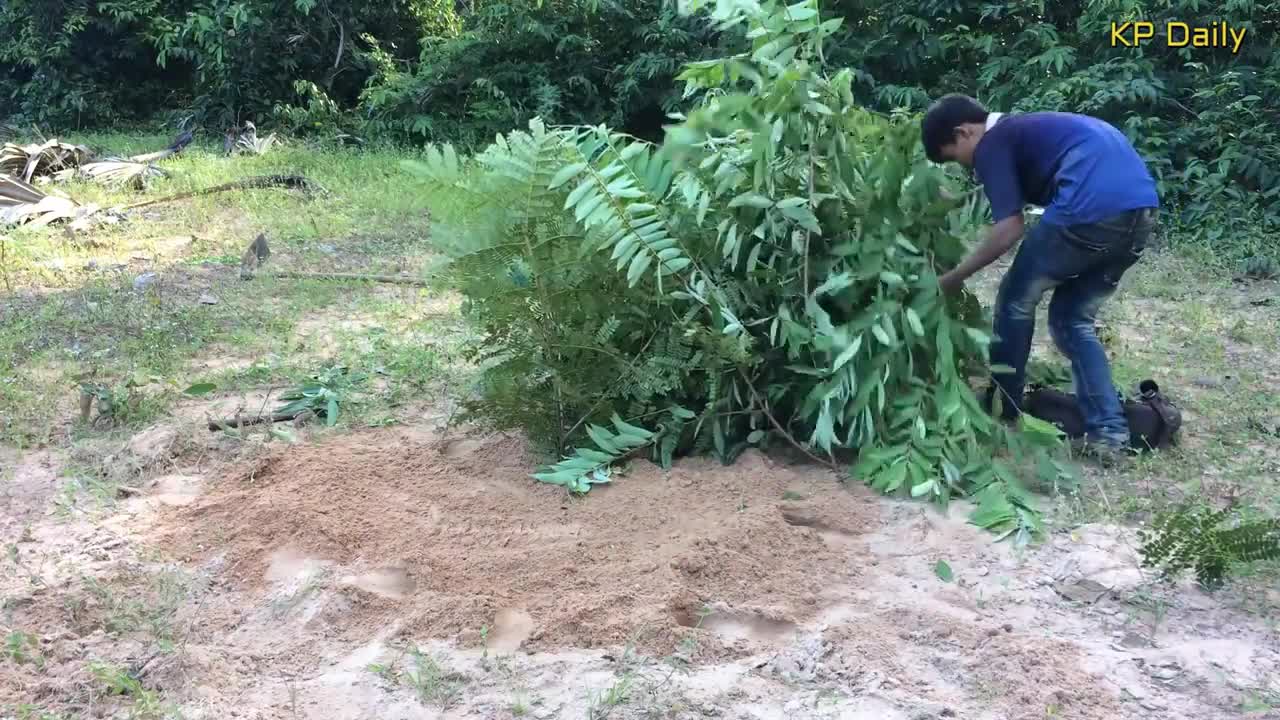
950,284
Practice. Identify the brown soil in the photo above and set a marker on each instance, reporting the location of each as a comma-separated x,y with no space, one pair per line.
453,537
298,582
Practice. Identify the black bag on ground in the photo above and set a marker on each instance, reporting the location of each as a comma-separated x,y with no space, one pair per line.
1154,422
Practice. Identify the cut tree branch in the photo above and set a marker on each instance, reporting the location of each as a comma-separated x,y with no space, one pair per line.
296,182
246,420
764,408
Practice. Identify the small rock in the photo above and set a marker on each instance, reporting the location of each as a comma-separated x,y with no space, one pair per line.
982,571
144,281
1136,691
1134,640
207,299
327,249
1085,591
1207,382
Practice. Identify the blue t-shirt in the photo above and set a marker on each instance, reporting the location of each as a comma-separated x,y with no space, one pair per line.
1078,168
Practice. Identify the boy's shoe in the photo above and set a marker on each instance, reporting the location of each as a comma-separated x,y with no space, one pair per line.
1106,452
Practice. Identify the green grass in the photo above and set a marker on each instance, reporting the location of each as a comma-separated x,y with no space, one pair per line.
75,316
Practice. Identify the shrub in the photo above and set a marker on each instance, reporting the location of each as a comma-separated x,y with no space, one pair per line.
767,275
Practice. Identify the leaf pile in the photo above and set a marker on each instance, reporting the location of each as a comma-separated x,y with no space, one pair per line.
768,275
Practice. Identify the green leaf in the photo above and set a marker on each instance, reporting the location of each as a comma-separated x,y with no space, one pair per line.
894,476
283,435
200,389
978,336
639,264
751,199
632,430
923,488
566,174
913,321
881,335
847,354
943,571
331,412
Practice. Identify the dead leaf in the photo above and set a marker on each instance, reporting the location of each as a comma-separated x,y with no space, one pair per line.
114,172
29,161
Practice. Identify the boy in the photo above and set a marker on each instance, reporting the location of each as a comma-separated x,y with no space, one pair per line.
1100,206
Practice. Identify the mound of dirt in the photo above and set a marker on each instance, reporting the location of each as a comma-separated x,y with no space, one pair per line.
447,538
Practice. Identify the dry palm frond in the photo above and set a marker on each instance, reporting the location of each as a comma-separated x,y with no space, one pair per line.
174,148
28,161
114,172
256,145
20,203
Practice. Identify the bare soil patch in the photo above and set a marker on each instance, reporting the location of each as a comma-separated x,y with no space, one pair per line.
454,536
401,573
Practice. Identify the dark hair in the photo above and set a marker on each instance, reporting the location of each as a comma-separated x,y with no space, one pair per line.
943,117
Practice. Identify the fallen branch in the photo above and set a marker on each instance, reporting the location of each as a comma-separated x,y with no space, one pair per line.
293,182
397,279
246,420
763,405
178,145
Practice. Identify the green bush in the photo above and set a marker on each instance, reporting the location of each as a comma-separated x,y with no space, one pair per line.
767,276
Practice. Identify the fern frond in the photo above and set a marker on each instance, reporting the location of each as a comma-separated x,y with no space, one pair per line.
591,466
619,198
1191,537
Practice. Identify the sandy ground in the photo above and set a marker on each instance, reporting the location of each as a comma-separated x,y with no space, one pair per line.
401,574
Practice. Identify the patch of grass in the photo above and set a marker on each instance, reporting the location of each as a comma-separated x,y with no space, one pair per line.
27,711
86,490
426,676
603,703
134,346
143,602
23,648
76,315
644,682
431,681
145,703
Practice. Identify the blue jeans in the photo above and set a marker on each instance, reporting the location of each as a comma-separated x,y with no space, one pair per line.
1082,264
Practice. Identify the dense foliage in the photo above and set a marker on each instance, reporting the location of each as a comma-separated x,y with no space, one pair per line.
767,276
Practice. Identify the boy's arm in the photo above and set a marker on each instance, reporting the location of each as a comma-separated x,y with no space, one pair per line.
1002,236
997,170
